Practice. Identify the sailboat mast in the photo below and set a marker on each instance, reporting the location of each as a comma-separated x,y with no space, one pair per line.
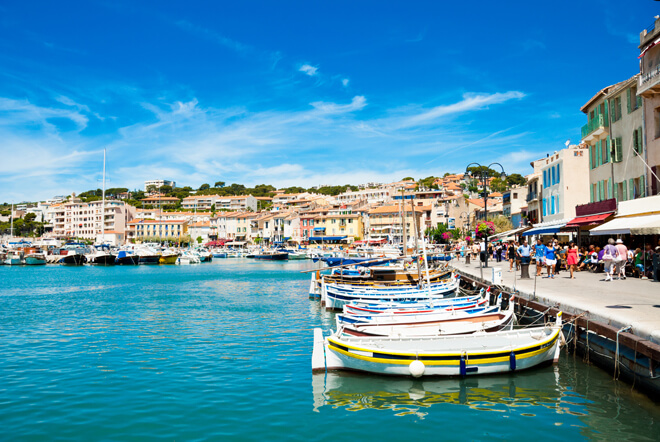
403,223
103,203
414,220
11,229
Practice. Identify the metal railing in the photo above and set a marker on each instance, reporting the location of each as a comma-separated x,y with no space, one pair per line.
597,123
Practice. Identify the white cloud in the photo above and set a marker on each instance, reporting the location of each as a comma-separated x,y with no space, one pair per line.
18,113
345,82
358,102
309,69
468,103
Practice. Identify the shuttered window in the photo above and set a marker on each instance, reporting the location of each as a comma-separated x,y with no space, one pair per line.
631,189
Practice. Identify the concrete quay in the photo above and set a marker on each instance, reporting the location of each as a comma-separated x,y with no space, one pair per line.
619,303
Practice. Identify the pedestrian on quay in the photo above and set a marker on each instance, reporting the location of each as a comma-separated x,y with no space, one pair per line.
539,256
573,258
610,253
622,259
511,254
550,259
524,253
498,252
483,251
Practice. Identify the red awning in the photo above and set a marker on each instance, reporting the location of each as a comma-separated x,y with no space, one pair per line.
588,220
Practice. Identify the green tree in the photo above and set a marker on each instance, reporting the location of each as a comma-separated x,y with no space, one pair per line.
199,240
165,189
515,179
408,178
502,223
204,186
219,184
498,185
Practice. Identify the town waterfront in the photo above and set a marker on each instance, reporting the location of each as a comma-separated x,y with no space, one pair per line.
222,350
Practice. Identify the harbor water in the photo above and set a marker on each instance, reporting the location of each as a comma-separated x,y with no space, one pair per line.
223,351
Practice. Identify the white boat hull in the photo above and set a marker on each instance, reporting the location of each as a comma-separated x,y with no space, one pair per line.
464,355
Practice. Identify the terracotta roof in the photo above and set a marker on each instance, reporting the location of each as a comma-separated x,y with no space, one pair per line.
200,224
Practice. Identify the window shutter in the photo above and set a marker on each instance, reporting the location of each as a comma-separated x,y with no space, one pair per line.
631,189
558,175
640,143
609,189
629,102
642,187
607,149
599,155
639,101
591,162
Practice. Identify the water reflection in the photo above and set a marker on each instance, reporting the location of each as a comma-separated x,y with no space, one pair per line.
522,391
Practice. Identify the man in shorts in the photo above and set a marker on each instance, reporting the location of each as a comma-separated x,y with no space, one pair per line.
539,256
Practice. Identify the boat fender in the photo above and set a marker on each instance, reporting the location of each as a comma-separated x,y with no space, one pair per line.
463,367
512,361
416,368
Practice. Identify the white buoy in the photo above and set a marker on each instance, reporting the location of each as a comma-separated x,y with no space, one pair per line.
416,368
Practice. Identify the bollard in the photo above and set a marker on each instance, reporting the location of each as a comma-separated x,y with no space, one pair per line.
524,267
524,271
467,258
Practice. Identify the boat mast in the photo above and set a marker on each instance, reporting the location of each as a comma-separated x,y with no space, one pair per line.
403,223
11,229
414,220
103,204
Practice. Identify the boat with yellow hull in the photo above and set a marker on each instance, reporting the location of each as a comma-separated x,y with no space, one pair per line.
453,355
168,258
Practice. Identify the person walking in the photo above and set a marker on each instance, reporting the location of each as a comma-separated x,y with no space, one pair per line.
622,259
511,255
610,253
539,256
573,258
551,259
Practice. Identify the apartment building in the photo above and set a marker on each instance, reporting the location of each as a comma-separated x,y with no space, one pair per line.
648,87
565,181
385,222
514,204
378,195
76,219
614,134
535,193
158,184
165,230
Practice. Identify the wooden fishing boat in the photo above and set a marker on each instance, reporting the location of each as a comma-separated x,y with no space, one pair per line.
35,258
447,323
335,296
454,355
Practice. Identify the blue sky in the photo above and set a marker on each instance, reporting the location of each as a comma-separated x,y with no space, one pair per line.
296,93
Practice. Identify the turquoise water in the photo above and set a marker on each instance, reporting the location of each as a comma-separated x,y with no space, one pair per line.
222,351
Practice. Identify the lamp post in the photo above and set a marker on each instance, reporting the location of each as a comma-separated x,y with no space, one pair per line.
482,173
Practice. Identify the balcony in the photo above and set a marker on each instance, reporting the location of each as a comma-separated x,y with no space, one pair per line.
532,196
595,130
648,83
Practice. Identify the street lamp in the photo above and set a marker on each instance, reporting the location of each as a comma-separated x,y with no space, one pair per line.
482,173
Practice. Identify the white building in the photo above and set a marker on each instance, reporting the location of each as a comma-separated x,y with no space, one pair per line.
158,183
379,195
565,180
75,219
